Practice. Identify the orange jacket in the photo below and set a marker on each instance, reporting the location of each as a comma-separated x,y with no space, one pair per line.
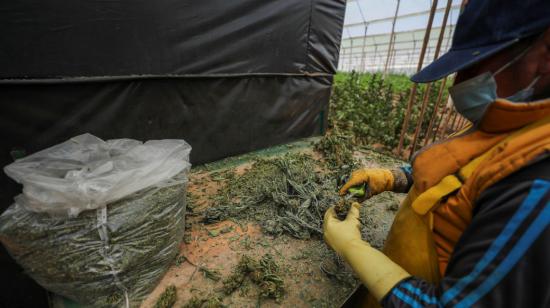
449,176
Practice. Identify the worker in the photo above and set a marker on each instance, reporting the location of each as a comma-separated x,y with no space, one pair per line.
474,228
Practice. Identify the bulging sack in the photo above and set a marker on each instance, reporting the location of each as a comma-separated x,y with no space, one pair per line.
98,221
86,173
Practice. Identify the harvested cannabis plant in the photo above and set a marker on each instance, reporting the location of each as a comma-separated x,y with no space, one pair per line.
68,256
210,302
210,273
289,194
370,108
264,273
342,208
337,149
100,255
168,298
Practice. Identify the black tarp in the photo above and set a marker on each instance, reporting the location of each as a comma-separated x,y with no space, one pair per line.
227,76
59,38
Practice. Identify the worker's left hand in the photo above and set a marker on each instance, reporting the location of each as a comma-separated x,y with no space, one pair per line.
340,233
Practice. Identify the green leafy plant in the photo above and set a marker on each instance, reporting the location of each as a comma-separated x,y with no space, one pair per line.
370,108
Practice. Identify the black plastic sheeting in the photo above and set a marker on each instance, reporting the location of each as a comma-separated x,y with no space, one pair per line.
229,77
60,38
219,117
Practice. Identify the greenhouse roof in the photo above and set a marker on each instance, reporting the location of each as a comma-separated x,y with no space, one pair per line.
368,30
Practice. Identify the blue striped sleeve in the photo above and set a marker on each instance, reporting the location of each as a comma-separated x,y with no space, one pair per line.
503,249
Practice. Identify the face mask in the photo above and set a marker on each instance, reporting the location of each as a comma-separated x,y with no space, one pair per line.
525,94
472,97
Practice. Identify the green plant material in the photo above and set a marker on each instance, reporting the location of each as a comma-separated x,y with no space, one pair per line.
191,202
210,274
168,298
337,150
264,243
288,194
180,260
188,226
264,273
246,243
270,282
213,233
194,302
114,298
366,110
371,108
226,230
209,302
342,208
213,302
68,256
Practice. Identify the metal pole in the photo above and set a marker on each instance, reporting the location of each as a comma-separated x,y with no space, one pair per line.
439,121
445,127
413,53
412,95
463,122
375,55
444,82
428,87
454,121
341,62
362,67
425,100
363,60
390,44
441,131
393,58
458,123
434,113
444,119
351,55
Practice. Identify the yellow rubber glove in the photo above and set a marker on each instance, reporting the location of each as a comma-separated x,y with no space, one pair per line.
378,180
377,272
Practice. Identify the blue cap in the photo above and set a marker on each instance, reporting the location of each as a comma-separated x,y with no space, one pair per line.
484,28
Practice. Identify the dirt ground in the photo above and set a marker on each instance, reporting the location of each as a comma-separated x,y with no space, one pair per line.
312,276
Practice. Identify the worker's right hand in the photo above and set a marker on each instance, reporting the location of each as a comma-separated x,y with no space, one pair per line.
377,180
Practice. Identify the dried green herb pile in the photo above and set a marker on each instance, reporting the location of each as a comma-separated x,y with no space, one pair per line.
210,302
168,298
288,194
337,149
210,273
67,255
264,273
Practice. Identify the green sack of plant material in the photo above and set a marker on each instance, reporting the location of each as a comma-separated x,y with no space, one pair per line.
98,222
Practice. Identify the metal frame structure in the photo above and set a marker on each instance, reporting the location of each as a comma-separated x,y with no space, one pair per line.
366,52
406,52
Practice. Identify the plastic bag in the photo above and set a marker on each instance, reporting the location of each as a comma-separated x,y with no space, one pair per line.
87,173
114,254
